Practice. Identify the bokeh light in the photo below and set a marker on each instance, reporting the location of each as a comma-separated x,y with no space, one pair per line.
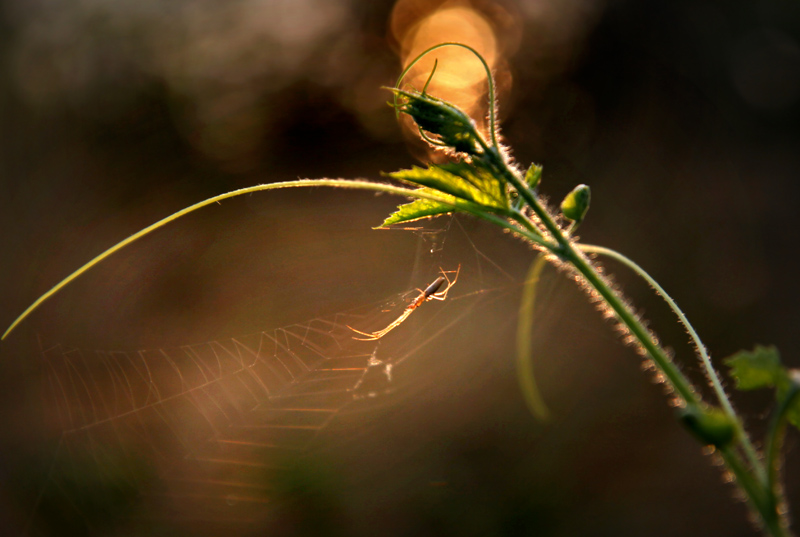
217,62
460,77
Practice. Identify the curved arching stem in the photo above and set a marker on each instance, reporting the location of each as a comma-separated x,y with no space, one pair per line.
711,373
335,183
489,77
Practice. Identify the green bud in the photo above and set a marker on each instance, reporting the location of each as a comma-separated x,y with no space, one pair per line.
711,426
576,204
450,123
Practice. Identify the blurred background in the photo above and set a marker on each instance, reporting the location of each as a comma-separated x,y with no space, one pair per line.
683,117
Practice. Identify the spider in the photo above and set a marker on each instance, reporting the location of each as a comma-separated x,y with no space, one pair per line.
430,293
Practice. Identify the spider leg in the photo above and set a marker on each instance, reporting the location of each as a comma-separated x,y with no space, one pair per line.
441,295
369,337
380,333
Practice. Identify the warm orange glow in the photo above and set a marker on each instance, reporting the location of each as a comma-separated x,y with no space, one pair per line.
460,76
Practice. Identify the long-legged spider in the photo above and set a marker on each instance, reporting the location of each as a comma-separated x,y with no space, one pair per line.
430,293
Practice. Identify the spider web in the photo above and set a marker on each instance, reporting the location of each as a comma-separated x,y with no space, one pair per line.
210,417
199,437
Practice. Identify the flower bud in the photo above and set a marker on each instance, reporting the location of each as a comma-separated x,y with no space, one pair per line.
451,124
576,204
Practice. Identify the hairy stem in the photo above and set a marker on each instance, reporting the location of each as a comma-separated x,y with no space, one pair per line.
775,439
567,251
711,373
754,486
760,499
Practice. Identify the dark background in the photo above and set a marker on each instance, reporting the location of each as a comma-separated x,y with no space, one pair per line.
684,117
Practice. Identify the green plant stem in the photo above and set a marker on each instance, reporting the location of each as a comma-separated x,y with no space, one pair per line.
566,251
522,219
490,79
711,373
760,499
336,183
530,390
753,487
673,375
775,439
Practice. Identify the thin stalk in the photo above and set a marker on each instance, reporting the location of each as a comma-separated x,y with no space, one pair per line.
567,252
758,497
489,78
711,373
336,183
501,167
775,439
527,381
751,485
522,219
674,376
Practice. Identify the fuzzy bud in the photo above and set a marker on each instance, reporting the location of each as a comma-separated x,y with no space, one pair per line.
576,203
454,128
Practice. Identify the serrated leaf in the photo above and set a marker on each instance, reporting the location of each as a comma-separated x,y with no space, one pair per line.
480,178
461,180
419,208
760,368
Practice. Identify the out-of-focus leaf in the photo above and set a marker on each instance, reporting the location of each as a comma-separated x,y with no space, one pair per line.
762,368
759,368
793,412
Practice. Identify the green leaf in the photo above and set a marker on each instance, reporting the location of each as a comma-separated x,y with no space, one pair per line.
419,208
461,180
760,368
533,176
482,179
